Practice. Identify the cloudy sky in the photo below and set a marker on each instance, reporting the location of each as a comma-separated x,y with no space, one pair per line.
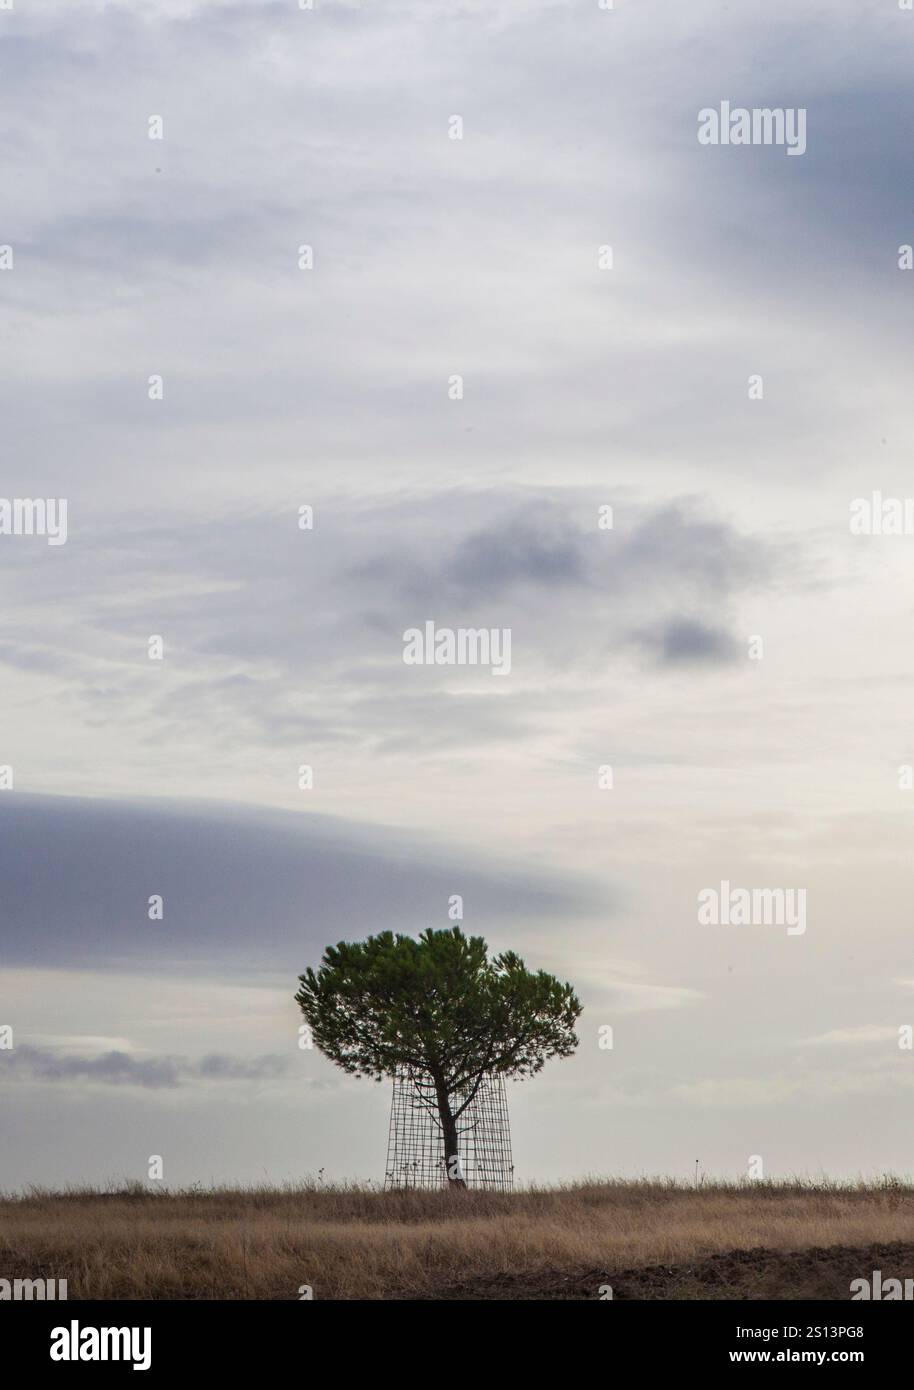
634,647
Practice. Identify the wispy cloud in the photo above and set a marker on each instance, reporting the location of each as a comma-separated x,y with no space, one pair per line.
862,1035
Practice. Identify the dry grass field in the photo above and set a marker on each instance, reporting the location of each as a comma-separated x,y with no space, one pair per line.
647,1239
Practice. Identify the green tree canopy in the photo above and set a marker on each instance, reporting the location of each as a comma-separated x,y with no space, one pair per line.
438,1004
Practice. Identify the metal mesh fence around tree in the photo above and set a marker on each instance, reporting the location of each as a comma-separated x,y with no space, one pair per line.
415,1147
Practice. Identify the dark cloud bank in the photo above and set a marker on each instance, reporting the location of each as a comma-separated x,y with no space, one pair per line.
254,891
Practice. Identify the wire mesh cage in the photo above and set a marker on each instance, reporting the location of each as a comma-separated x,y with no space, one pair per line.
415,1145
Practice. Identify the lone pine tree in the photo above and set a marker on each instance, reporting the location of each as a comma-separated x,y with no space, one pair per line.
438,1004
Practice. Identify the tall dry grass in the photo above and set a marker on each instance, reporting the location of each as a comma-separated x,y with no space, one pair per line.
353,1242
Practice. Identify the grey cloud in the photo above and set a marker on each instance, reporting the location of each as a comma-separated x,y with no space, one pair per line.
218,1067
686,641
489,562
544,546
252,892
518,550
256,659
684,544
27,1063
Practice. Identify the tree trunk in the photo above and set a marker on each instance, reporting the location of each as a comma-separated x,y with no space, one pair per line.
452,1164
